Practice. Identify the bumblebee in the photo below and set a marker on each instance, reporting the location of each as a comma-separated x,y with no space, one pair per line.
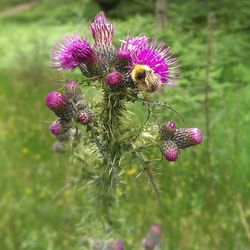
145,78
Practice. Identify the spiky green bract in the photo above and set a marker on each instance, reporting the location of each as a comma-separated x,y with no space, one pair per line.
73,91
105,57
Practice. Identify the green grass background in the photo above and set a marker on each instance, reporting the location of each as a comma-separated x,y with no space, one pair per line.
203,208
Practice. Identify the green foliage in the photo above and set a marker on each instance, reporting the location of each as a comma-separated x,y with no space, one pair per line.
200,207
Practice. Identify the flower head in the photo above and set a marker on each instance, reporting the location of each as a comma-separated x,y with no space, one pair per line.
102,30
157,58
72,53
56,128
56,101
60,104
84,116
131,45
170,150
167,130
186,137
114,79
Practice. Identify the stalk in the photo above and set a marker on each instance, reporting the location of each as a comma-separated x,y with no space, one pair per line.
111,120
110,148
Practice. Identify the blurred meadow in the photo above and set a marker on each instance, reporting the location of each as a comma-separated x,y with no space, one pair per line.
205,194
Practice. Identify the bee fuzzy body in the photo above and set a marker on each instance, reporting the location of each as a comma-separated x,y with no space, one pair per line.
145,78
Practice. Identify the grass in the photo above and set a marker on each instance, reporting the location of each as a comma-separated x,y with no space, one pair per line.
200,207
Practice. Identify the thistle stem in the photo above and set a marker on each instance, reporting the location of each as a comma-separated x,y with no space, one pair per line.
147,169
109,147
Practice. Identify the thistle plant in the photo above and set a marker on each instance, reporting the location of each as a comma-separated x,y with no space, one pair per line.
123,75
153,239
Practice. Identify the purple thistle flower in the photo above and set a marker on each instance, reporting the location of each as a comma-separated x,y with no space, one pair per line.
170,150
60,104
102,30
131,45
72,53
158,58
186,137
114,79
124,55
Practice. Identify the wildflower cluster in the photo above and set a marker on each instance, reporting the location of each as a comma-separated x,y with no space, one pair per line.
129,73
178,138
69,107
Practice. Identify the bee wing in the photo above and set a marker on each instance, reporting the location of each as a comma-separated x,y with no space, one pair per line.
152,81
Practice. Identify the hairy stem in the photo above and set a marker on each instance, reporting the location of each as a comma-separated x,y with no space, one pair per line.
147,169
110,147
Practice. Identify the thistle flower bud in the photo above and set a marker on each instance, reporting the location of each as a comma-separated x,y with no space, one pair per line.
85,116
73,91
124,55
59,147
60,105
114,79
153,238
186,137
167,130
170,150
123,60
60,128
56,128
102,30
156,229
